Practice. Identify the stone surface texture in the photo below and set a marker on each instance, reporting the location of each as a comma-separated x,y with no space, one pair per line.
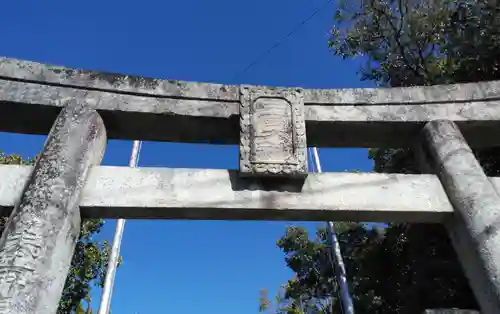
474,228
37,245
272,132
114,192
31,95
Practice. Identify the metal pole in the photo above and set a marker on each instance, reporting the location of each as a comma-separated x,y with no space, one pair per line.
115,248
336,255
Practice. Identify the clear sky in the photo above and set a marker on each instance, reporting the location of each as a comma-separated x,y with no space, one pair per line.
186,266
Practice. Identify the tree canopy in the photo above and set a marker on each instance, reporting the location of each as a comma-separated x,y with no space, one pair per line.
403,268
89,262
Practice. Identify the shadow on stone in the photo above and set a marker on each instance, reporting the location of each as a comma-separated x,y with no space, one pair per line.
279,184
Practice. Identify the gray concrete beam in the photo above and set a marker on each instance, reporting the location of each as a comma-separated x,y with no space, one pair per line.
114,192
14,69
31,95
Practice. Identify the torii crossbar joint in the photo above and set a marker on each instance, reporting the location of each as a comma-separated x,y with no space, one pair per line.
273,128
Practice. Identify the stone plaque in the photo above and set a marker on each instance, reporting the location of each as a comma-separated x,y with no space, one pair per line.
273,133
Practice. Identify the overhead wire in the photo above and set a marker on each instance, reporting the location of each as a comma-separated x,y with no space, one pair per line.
283,39
336,255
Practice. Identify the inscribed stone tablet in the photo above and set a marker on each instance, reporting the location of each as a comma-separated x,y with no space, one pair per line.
273,138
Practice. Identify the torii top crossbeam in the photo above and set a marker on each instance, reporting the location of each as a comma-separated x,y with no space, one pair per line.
163,110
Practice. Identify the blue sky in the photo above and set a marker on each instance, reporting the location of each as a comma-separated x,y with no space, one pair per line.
186,266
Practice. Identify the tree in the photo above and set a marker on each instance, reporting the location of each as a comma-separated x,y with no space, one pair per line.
88,310
421,42
404,268
287,305
400,269
89,262
313,284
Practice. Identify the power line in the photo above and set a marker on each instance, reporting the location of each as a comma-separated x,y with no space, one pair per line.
279,42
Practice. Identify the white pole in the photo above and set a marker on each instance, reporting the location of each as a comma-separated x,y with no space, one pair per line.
336,255
109,280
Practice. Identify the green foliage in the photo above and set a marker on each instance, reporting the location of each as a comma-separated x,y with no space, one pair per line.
89,262
88,310
421,42
403,268
399,269
312,290
287,305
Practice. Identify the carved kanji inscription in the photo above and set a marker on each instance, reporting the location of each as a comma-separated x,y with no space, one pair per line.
272,139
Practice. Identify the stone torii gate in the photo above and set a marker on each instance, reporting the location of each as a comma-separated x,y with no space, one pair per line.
80,109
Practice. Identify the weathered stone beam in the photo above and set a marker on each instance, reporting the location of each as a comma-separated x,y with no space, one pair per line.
116,83
31,108
39,238
121,83
474,227
154,109
113,192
